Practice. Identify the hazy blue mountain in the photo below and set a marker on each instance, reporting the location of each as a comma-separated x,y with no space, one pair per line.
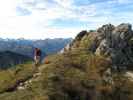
51,45
26,47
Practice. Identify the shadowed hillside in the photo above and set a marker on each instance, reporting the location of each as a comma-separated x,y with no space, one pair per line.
9,59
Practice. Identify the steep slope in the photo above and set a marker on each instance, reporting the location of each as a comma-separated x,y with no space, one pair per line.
116,43
66,77
84,69
11,77
8,59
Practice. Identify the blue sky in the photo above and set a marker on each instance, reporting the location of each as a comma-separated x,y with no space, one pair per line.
39,19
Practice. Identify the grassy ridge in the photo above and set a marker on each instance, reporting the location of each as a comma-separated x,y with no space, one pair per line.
9,78
75,75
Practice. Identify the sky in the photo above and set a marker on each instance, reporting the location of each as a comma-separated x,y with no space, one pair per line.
40,19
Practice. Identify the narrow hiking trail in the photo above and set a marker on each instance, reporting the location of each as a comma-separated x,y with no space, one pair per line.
35,77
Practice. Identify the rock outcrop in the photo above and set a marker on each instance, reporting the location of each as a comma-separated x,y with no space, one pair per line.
117,43
108,40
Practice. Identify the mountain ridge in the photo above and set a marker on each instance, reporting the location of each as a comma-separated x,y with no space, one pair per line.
82,70
110,41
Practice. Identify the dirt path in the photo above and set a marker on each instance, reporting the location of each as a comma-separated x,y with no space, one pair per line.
27,83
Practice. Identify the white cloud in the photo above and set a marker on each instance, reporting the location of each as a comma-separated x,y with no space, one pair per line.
47,33
39,23
7,8
65,3
64,9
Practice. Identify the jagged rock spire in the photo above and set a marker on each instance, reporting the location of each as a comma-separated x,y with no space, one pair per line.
114,42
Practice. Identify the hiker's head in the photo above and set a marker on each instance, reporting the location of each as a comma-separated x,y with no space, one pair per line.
37,49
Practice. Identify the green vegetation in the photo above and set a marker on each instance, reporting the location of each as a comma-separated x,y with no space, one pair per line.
74,75
9,78
79,73
63,79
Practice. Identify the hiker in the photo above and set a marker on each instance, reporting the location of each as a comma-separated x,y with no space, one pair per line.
37,56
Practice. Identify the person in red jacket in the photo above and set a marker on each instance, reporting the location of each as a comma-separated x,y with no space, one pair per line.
37,56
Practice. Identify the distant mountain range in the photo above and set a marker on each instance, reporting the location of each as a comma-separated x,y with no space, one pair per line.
8,59
26,47
18,51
